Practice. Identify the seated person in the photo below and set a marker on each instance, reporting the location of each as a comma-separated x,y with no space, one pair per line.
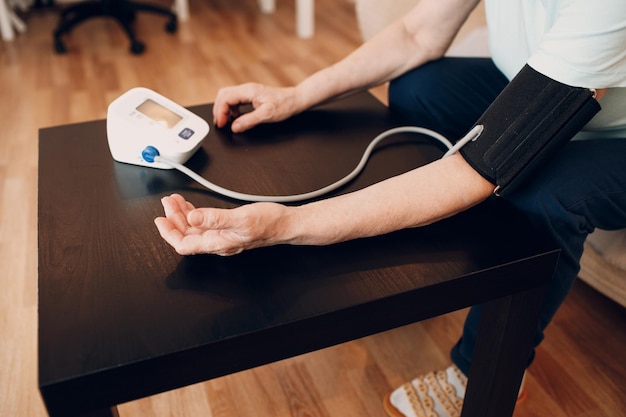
580,187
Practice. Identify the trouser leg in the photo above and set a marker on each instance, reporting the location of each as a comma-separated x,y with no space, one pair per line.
447,95
582,188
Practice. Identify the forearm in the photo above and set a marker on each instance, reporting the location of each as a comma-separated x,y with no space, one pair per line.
417,198
422,35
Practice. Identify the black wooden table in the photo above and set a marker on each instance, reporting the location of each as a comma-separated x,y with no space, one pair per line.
122,316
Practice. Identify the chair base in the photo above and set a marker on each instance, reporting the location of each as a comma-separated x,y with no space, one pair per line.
123,11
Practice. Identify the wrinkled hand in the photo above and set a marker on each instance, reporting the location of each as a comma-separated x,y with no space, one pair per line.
223,232
271,104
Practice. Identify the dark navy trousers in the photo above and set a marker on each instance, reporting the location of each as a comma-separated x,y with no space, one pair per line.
582,188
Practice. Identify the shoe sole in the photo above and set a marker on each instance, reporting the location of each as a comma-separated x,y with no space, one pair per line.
392,411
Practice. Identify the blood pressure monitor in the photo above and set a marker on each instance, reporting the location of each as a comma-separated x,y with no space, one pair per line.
142,118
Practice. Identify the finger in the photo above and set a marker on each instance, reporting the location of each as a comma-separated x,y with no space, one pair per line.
228,100
209,219
190,244
184,205
248,120
222,118
176,214
168,231
182,244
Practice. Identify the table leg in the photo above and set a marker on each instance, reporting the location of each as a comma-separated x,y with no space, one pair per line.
505,340
105,412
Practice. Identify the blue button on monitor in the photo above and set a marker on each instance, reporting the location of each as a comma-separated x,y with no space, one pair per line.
186,133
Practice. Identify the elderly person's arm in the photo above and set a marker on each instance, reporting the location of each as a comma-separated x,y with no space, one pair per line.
422,35
419,197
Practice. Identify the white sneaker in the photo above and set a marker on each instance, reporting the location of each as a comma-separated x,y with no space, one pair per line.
435,394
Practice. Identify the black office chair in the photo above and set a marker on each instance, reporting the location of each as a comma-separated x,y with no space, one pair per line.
124,11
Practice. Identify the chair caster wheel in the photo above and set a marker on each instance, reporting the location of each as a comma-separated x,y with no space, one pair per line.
171,26
137,48
59,46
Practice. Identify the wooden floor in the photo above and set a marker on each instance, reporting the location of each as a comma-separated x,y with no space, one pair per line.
580,370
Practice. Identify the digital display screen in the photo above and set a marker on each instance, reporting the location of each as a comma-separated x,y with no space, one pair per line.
158,113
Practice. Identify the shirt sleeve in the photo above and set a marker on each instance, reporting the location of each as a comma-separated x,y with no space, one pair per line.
584,44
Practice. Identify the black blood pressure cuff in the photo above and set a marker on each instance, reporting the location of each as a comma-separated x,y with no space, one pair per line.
532,117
